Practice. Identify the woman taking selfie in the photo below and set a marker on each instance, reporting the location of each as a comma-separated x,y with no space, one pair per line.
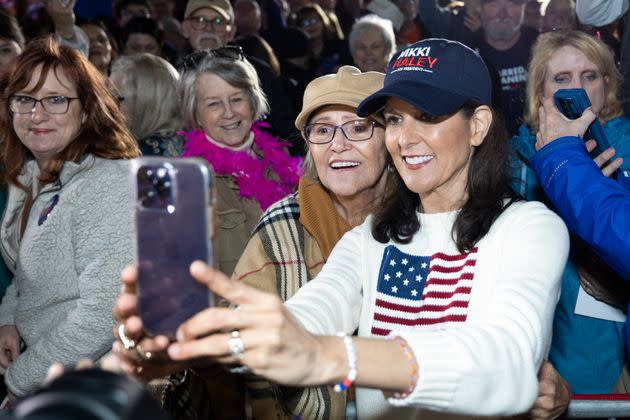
451,283
66,231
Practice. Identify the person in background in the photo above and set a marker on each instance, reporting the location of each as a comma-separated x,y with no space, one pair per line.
294,54
503,43
11,41
128,9
587,350
66,231
411,30
61,13
256,46
247,16
330,8
210,24
451,283
532,16
141,35
103,47
558,14
221,102
372,43
142,81
327,50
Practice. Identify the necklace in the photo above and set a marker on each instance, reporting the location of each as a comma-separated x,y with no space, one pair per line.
251,173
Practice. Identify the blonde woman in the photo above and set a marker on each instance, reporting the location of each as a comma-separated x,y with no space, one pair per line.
143,81
586,350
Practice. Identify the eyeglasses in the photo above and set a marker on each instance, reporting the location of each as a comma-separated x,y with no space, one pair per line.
200,23
355,130
310,22
231,52
22,104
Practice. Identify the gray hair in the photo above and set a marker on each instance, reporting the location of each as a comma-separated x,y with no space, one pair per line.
237,73
367,22
150,85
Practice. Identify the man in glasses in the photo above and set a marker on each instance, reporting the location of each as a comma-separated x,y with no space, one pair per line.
209,24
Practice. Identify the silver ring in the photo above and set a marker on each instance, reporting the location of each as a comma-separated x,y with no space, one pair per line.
236,345
127,342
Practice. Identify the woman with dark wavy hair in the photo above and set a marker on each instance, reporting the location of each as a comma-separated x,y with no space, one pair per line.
66,230
452,284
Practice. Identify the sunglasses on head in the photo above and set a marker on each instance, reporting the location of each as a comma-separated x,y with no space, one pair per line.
192,60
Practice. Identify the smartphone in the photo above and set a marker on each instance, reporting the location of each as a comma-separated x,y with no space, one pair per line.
173,205
572,103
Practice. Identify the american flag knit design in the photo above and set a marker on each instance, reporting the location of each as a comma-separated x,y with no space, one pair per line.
427,292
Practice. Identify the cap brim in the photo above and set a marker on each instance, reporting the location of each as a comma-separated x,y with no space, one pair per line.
429,99
222,12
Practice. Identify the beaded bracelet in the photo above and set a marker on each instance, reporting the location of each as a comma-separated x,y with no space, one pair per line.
352,363
412,362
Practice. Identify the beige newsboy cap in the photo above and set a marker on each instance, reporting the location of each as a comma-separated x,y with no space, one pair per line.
347,87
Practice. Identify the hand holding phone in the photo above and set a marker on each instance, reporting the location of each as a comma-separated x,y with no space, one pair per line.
572,103
173,204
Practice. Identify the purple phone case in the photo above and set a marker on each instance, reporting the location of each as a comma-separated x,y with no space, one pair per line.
168,240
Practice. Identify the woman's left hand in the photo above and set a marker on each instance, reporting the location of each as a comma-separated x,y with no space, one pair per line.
260,334
554,394
553,125
607,166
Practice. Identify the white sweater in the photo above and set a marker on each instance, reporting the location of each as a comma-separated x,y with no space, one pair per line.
478,338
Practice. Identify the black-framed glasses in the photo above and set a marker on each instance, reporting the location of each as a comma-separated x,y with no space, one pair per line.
355,130
200,23
23,104
231,52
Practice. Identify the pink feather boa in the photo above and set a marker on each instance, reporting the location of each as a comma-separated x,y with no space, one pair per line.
250,172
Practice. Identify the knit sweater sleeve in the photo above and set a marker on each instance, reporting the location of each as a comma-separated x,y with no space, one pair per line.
102,238
331,302
490,366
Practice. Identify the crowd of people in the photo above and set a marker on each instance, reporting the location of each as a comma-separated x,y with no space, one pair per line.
406,224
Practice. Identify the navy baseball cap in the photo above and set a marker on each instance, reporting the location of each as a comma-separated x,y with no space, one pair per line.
435,75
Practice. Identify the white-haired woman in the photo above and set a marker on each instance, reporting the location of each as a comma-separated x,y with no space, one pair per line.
222,102
372,43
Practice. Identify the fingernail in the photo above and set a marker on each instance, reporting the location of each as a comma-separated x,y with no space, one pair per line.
116,347
180,336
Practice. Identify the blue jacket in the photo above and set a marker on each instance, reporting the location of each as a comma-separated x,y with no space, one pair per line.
593,206
588,352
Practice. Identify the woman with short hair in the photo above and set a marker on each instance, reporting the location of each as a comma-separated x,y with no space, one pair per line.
372,43
222,102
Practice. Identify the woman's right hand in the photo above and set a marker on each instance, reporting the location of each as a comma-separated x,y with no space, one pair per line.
553,125
259,334
9,346
134,360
